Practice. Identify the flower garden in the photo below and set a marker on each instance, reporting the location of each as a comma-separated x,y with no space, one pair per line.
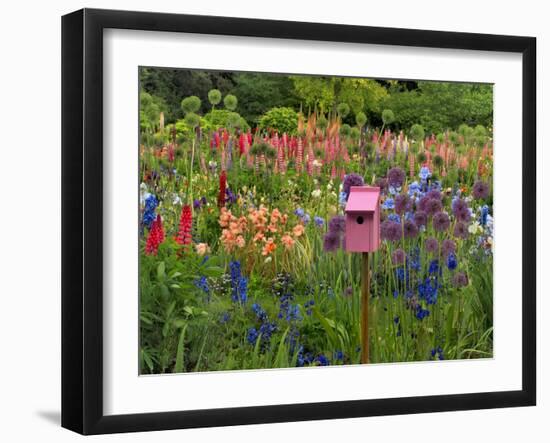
242,264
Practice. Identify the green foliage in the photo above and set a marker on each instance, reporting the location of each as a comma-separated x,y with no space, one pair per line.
230,102
150,108
322,122
191,104
439,106
280,119
222,118
258,93
355,133
324,93
214,96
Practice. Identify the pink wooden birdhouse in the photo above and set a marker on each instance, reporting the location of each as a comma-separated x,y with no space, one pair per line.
363,219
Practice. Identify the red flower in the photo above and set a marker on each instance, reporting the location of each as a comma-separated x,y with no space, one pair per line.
184,230
155,238
223,183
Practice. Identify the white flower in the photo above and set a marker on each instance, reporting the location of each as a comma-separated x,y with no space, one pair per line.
329,186
268,260
475,228
317,163
176,200
316,193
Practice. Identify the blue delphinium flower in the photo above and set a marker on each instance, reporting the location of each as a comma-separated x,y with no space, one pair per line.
437,352
225,317
308,305
434,267
202,284
414,189
260,313
252,336
338,356
421,313
342,198
149,215
239,283
319,221
451,262
322,360
424,173
306,218
394,218
484,214
388,203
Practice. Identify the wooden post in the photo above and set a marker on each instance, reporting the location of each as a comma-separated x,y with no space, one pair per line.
365,293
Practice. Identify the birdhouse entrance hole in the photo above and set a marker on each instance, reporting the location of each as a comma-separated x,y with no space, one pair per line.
360,220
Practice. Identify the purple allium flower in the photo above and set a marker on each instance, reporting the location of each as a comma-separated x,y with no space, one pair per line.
461,230
352,180
331,242
337,224
447,247
432,245
396,177
441,221
398,257
410,230
434,193
480,190
196,204
420,218
433,206
461,210
402,203
460,279
390,230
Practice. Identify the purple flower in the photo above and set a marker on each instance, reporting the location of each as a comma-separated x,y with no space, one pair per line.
390,230
461,210
433,206
398,257
460,279
319,221
447,247
337,224
402,203
396,177
331,242
410,229
420,218
480,190
434,193
432,245
441,221
461,230
352,180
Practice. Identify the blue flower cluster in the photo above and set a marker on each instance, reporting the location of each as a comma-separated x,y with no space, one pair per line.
428,290
308,305
202,283
437,353
149,215
239,283
265,331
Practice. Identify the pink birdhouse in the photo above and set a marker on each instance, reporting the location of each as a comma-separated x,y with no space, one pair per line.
363,219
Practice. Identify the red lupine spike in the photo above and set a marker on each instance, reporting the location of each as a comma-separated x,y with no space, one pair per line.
184,231
155,238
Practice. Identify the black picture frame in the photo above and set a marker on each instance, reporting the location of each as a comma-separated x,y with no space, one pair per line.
82,218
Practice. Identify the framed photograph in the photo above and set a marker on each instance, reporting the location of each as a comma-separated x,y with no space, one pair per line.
270,221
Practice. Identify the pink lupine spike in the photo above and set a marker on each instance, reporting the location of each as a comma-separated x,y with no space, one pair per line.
299,155
333,172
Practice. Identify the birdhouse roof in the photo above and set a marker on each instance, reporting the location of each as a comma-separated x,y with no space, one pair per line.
363,199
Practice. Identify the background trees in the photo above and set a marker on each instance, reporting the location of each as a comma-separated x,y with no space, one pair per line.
437,106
